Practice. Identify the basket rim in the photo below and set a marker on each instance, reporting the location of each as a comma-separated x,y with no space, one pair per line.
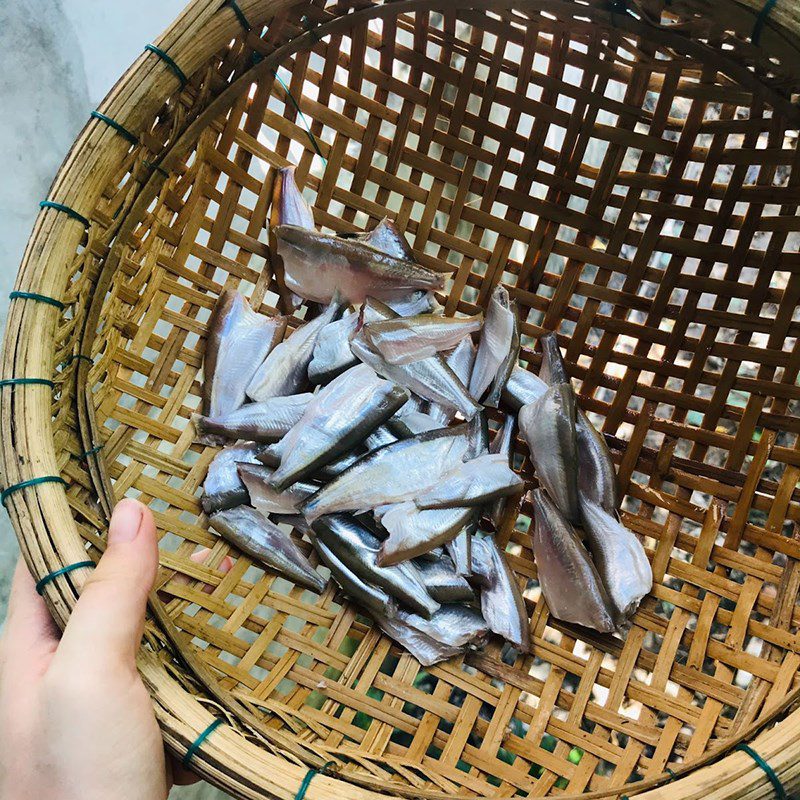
142,89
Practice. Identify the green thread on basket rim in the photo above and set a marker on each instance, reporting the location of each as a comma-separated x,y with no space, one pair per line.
76,357
302,116
112,123
301,792
169,61
780,792
195,745
761,19
40,584
41,298
16,487
156,167
93,452
307,25
239,15
70,212
28,382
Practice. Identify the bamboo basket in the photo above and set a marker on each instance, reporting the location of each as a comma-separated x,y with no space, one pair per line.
629,170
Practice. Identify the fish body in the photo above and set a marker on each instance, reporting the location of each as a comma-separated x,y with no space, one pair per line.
473,483
523,387
407,339
339,417
332,354
422,301
268,501
620,559
414,422
293,209
460,547
262,422
502,604
425,649
452,625
461,361
571,584
316,265
498,349
357,547
262,540
503,444
442,581
285,370
553,370
597,478
387,238
223,488
393,473
371,597
238,340
548,425
380,437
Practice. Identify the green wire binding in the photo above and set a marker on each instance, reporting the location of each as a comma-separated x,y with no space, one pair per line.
755,36
76,357
27,382
195,745
170,62
124,132
70,212
59,572
93,452
302,116
40,298
780,792
239,15
301,792
6,493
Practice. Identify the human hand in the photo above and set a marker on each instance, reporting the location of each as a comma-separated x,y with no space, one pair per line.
76,721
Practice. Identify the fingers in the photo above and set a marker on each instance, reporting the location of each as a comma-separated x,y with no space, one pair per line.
108,619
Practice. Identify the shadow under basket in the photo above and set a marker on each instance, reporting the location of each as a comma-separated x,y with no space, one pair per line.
629,171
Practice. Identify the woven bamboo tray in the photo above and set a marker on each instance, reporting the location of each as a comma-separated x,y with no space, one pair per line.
630,172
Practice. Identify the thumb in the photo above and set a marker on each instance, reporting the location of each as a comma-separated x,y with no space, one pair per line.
109,617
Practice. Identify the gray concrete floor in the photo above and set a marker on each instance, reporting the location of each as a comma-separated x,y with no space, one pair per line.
58,59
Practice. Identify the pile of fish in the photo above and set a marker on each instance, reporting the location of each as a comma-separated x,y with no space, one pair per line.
365,428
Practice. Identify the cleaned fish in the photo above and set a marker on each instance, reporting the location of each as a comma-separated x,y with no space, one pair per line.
292,207
570,582
502,604
461,361
262,540
498,349
357,548
392,474
380,437
239,339
473,483
407,339
332,353
553,370
371,597
597,478
342,464
387,238
285,369
442,581
267,421
271,456
548,425
619,557
503,443
414,422
266,500
452,625
523,387
426,650
223,488
420,302
413,532
339,417
460,548
317,264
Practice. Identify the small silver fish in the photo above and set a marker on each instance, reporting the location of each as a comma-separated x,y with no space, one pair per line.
393,473
548,425
357,548
453,625
620,559
369,596
553,370
262,540
442,581
223,488
502,604
332,353
317,264
473,483
342,464
380,437
421,301
597,478
264,422
339,417
503,443
426,650
238,340
266,500
461,361
460,548
292,207
523,387
498,348
407,339
570,582
414,421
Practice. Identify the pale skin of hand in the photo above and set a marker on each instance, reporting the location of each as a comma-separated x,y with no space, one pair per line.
76,722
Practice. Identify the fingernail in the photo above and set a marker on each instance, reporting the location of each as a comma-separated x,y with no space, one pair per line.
125,522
